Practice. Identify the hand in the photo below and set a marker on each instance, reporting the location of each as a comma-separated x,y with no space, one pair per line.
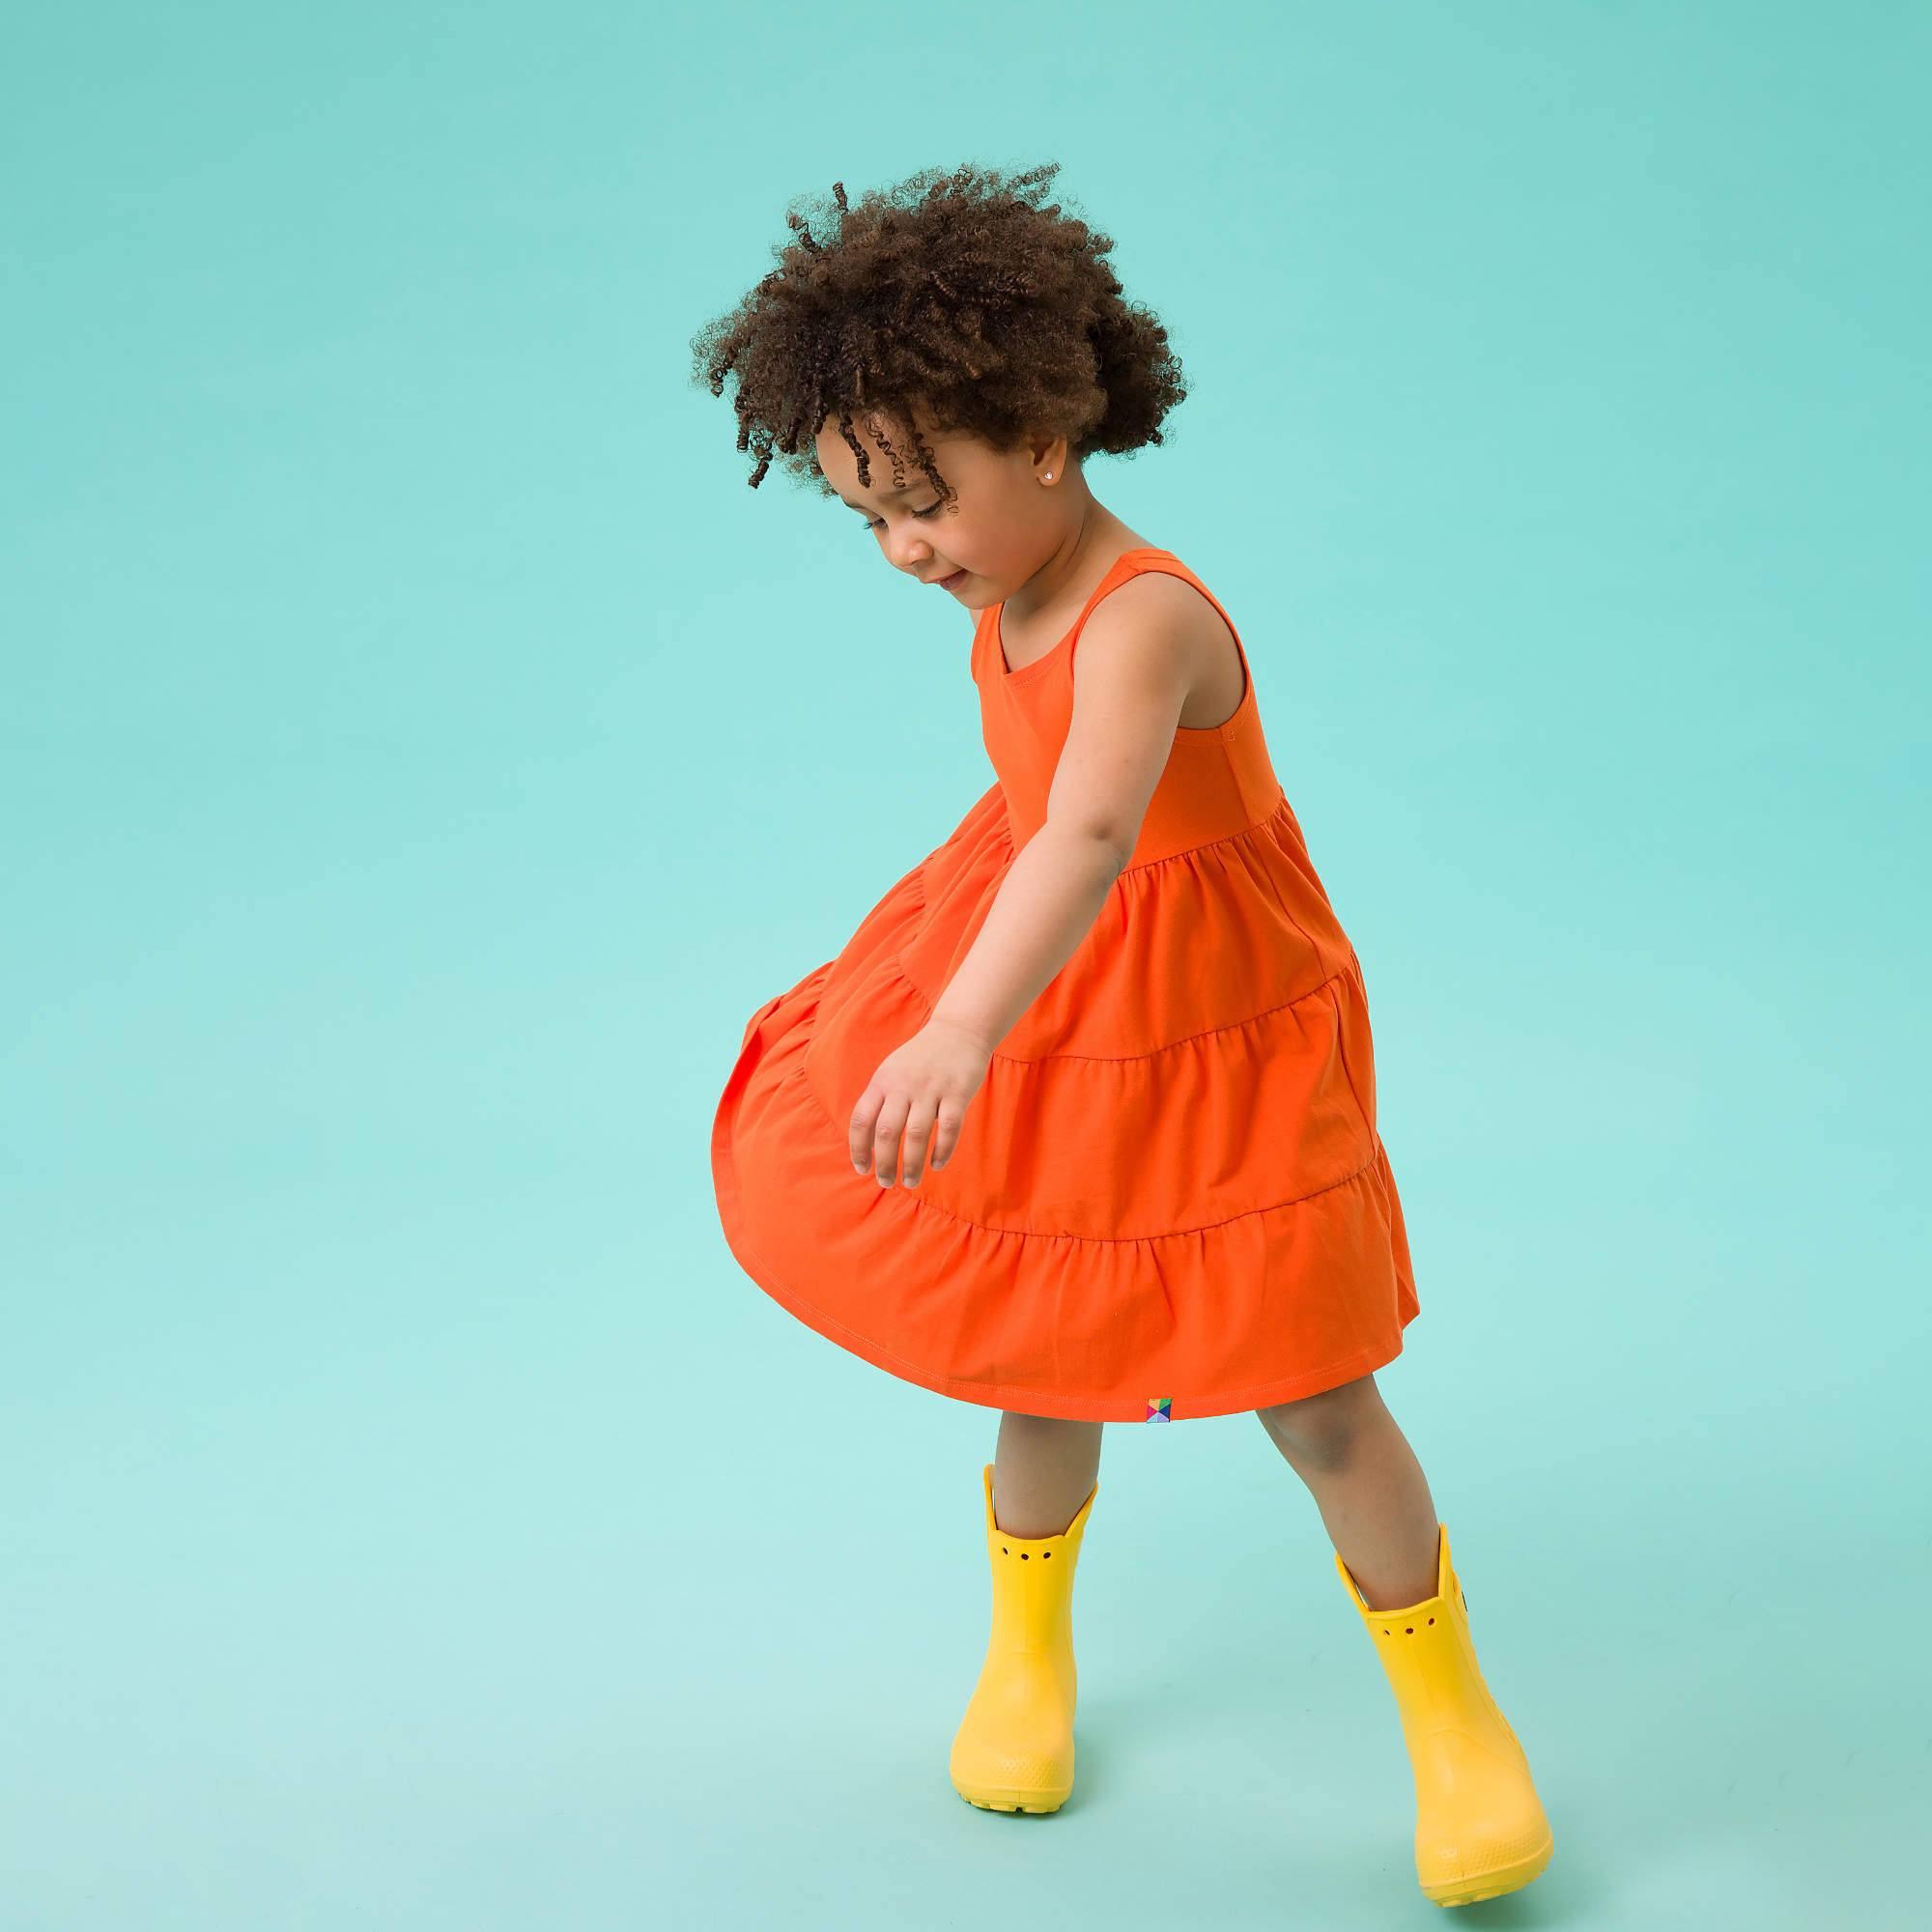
926,1081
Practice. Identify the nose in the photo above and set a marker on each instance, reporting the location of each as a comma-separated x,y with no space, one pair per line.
911,553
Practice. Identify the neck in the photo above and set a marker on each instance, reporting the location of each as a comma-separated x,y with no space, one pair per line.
1073,560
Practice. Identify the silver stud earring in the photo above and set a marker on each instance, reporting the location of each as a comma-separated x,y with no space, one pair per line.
1049,476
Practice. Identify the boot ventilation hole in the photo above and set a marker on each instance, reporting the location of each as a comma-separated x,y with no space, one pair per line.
1024,1554
1408,1629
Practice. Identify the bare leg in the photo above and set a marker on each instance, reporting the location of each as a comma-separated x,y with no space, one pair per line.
1374,1499
1480,1828
1044,1467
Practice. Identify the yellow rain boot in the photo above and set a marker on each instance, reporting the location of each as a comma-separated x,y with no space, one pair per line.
1014,1751
1480,1828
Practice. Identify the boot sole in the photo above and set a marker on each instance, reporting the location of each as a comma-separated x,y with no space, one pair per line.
1477,1887
992,1798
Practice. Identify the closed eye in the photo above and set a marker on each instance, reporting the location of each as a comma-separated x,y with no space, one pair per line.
872,524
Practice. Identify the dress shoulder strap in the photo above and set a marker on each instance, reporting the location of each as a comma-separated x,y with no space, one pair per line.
1133,563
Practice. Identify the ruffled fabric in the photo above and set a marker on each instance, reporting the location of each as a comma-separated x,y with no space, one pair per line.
1169,1199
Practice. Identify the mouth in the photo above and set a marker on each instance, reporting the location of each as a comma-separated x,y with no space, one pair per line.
951,582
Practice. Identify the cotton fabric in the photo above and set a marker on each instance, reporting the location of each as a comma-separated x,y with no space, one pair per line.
1169,1198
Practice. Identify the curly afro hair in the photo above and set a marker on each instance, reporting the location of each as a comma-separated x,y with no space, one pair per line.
957,295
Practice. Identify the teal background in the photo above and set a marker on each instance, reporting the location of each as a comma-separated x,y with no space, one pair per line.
420,753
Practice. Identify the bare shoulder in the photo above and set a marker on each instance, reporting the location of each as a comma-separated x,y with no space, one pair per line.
1159,629
1165,612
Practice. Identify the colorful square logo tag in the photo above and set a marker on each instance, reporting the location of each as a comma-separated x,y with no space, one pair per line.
1160,1408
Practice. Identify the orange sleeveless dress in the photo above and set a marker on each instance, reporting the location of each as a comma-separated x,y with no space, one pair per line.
1169,1198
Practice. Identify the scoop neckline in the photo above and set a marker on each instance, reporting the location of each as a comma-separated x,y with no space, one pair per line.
1048,655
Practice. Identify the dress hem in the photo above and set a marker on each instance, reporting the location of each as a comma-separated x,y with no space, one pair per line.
1180,1407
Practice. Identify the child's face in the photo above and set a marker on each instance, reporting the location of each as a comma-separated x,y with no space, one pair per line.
991,533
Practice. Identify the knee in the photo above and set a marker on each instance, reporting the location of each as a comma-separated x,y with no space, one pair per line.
1320,1431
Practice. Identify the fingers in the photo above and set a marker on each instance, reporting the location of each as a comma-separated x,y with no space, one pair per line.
859,1128
886,1138
918,1132
873,1134
928,1128
947,1134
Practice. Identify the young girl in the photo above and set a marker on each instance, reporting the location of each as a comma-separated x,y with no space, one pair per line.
1080,1122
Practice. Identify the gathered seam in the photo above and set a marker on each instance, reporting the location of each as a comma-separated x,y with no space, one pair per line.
1372,1356
930,1206
926,999
1268,817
